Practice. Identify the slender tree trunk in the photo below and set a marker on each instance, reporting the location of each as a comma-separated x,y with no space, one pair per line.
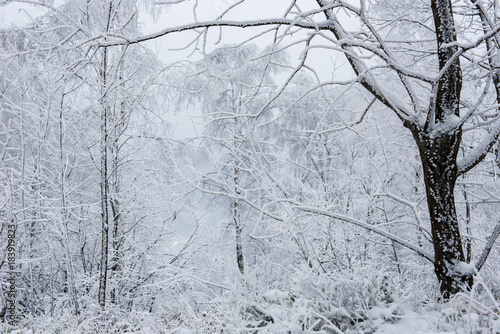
236,208
468,241
118,127
116,214
70,277
239,243
103,276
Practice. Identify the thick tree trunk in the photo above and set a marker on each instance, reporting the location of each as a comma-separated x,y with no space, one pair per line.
439,156
438,149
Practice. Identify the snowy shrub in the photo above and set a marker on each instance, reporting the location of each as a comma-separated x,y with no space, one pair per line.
93,320
367,300
312,302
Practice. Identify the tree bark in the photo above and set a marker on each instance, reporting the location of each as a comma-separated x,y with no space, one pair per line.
236,207
439,156
468,241
103,275
118,128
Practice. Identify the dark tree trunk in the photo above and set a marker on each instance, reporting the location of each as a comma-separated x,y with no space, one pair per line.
239,250
236,204
438,146
103,276
439,155
468,241
117,243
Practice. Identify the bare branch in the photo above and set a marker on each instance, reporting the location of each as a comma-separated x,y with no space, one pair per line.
368,227
480,152
220,23
487,249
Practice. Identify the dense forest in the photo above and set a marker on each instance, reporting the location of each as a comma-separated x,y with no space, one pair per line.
338,172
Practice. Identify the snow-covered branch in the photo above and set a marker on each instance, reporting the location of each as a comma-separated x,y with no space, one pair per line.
218,23
487,248
368,227
477,155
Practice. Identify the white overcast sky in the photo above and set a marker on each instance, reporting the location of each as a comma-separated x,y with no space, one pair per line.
323,60
20,14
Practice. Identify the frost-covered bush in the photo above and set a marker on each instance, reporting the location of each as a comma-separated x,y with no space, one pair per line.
477,311
312,302
93,320
366,300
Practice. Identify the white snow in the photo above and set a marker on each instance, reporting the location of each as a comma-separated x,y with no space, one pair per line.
465,269
275,295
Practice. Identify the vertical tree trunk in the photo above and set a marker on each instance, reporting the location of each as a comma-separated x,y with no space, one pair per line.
239,250
117,241
117,238
438,141
468,241
103,275
70,277
438,150
438,155
238,228
118,126
115,266
236,208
